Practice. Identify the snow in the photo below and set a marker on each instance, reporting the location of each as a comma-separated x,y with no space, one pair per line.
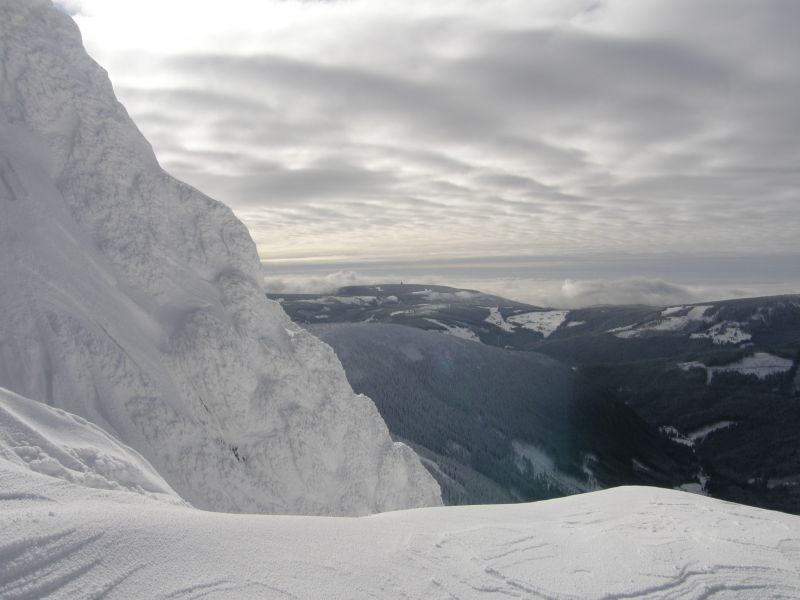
63,541
457,296
460,332
693,364
725,332
134,301
356,300
669,321
695,436
544,467
496,319
697,487
576,323
675,435
701,434
56,443
760,364
544,322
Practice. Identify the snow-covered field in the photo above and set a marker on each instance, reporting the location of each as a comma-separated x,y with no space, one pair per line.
59,540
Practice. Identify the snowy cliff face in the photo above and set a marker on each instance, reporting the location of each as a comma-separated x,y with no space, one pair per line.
134,301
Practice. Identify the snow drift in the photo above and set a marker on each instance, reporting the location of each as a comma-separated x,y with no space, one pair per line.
134,301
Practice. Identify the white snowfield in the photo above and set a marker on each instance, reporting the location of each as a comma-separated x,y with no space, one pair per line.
60,540
134,301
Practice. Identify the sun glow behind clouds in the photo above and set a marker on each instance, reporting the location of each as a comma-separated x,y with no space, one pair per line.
463,128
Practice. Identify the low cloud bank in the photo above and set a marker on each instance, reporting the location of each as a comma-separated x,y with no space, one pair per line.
556,293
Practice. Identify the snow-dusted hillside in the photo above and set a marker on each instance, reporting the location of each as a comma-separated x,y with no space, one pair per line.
134,301
59,540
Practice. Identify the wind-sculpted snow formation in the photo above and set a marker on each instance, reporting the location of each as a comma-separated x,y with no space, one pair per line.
134,301
54,442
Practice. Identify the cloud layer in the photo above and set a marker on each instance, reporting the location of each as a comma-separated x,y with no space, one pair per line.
464,128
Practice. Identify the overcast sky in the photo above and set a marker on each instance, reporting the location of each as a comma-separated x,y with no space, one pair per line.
514,144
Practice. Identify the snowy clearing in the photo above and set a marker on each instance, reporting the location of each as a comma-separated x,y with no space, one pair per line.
726,332
356,300
670,321
760,364
456,331
543,466
545,322
496,319
698,435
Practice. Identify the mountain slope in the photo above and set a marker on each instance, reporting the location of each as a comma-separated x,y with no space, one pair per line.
497,425
63,541
134,301
720,378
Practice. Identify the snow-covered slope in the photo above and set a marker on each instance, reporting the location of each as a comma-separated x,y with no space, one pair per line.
56,443
58,540
134,301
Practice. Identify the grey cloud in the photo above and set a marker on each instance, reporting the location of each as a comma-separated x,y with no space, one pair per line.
675,133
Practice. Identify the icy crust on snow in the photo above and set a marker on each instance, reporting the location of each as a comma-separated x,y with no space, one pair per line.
134,301
61,541
56,443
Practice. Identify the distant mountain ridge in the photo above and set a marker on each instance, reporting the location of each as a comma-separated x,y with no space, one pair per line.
720,378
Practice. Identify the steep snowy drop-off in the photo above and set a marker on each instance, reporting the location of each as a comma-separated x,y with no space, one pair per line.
60,540
134,301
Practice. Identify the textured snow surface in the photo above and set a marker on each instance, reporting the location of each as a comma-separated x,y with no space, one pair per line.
58,540
134,301
56,443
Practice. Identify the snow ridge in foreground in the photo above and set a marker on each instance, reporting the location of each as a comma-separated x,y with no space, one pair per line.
134,301
60,540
